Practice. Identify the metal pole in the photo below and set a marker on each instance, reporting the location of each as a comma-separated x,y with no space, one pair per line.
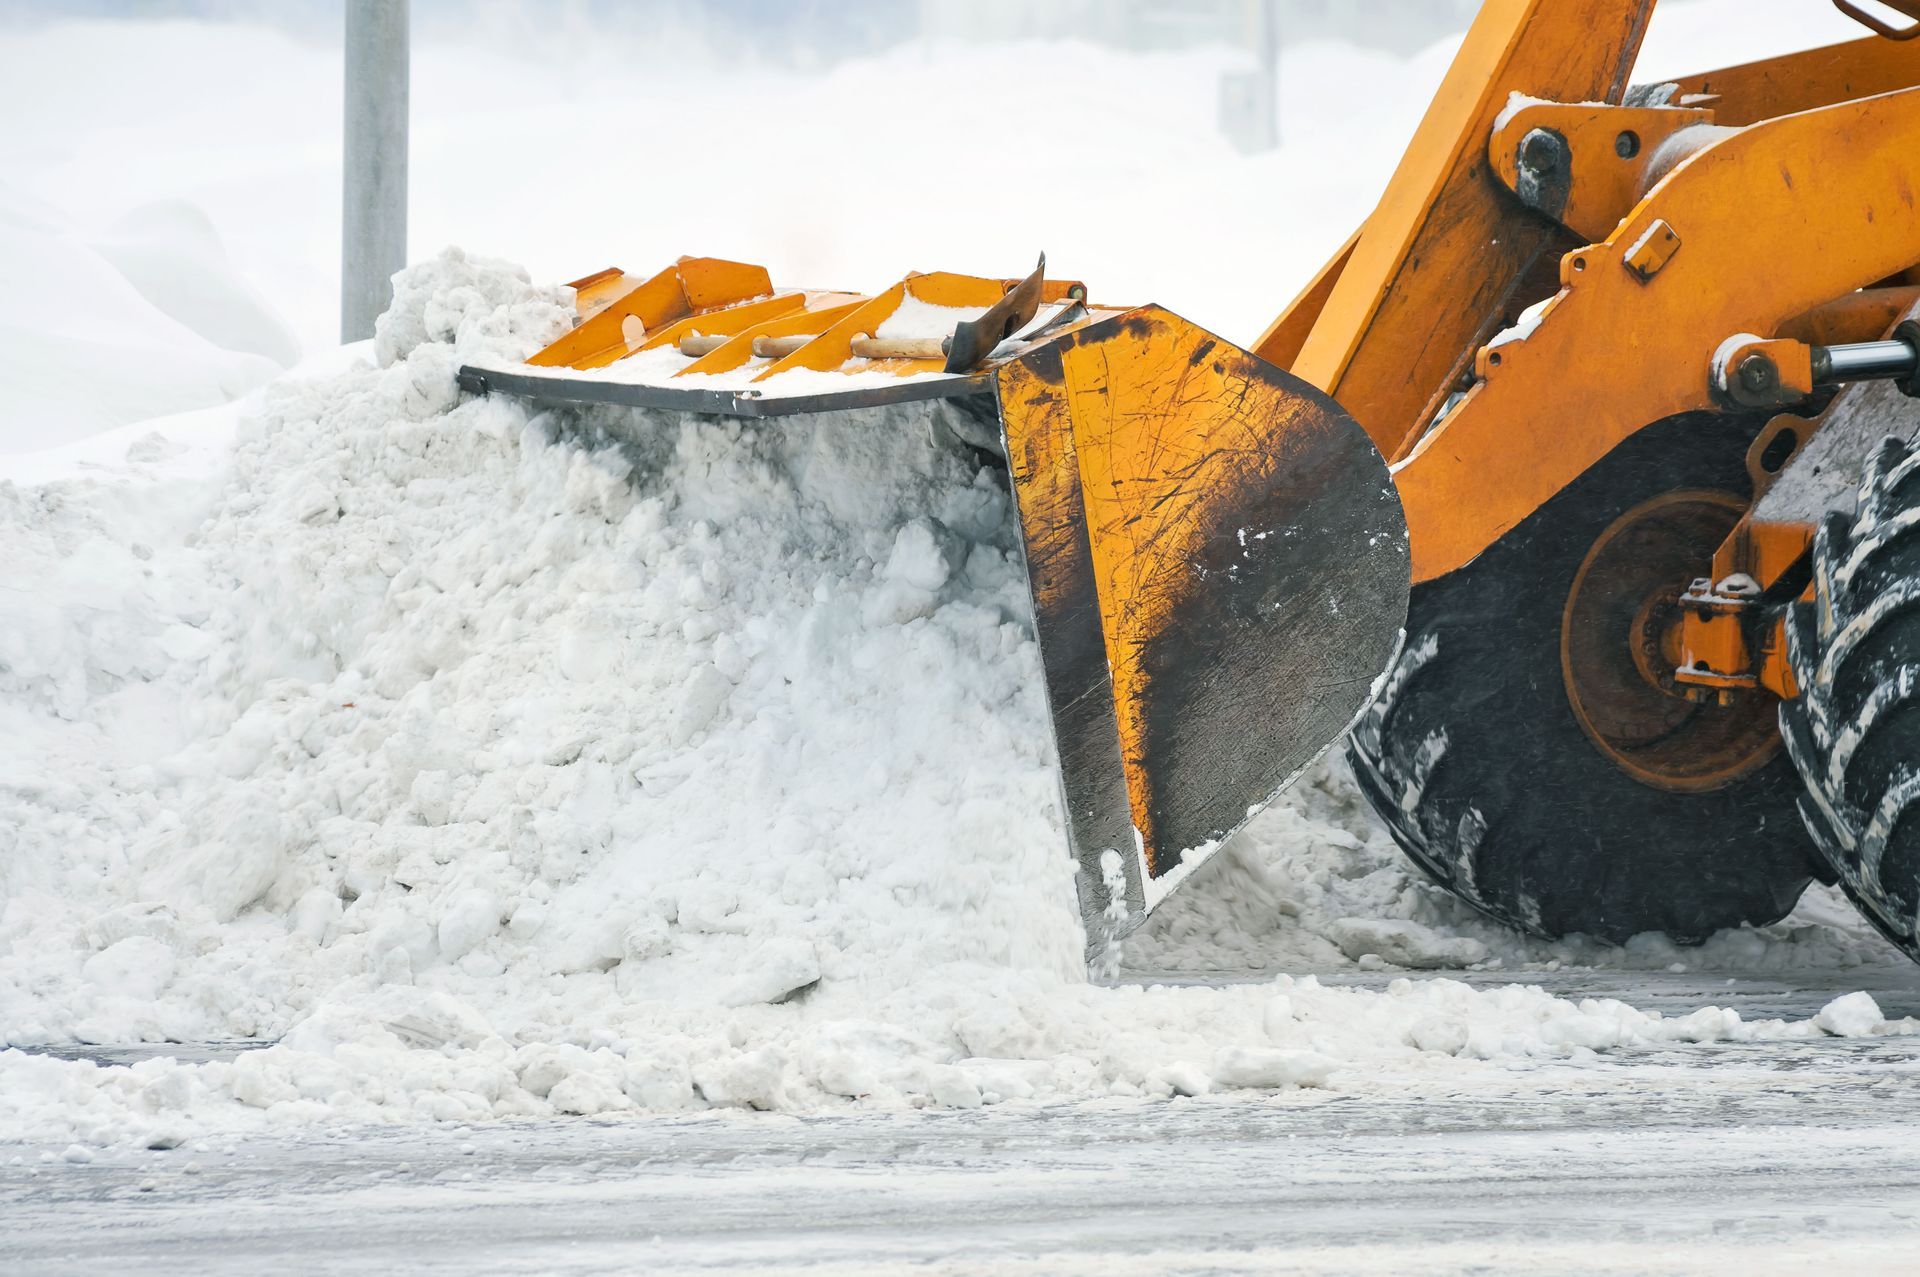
1269,37
1250,100
373,243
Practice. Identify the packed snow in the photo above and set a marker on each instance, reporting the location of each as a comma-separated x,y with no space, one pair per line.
497,762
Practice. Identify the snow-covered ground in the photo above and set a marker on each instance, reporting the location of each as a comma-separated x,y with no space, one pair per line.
505,766
1767,1162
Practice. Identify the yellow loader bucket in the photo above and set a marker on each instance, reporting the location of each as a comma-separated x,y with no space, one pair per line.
1216,555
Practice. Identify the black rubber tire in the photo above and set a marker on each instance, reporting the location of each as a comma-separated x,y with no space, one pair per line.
1854,731
1474,759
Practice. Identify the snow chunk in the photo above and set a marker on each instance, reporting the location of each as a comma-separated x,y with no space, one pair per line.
701,697
483,306
469,918
1405,944
924,556
1853,1015
587,1093
1183,1077
1267,1067
137,967
779,969
750,1079
237,857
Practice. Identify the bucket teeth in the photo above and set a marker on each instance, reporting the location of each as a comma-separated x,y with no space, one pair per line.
974,340
720,317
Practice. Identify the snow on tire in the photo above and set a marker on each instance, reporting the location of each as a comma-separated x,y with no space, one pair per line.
1854,731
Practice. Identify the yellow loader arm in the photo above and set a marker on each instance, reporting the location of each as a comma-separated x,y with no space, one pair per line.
1555,237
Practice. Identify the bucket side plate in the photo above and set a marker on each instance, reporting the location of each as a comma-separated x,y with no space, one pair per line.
1219,568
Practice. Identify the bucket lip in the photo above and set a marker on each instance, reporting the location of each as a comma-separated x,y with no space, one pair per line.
481,380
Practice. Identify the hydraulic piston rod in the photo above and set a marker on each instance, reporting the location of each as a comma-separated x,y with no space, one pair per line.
1895,360
1752,372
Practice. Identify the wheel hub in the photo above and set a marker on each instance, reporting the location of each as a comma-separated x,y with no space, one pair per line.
1619,645
1654,640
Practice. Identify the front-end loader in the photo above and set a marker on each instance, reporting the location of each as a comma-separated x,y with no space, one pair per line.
1579,485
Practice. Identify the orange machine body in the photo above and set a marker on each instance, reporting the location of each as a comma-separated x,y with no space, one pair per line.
1559,263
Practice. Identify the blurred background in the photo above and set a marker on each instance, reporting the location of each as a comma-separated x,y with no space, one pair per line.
174,165
820,32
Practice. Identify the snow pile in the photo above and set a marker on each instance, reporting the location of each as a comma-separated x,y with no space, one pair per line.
448,682
509,764
405,1053
145,319
1317,884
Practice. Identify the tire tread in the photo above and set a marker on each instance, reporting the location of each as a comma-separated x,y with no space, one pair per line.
1854,731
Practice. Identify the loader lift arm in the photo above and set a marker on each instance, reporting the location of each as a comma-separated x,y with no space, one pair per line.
1579,444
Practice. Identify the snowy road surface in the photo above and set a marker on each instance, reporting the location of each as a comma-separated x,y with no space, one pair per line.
1752,1159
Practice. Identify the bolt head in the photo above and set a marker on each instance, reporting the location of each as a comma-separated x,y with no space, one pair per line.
1758,375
